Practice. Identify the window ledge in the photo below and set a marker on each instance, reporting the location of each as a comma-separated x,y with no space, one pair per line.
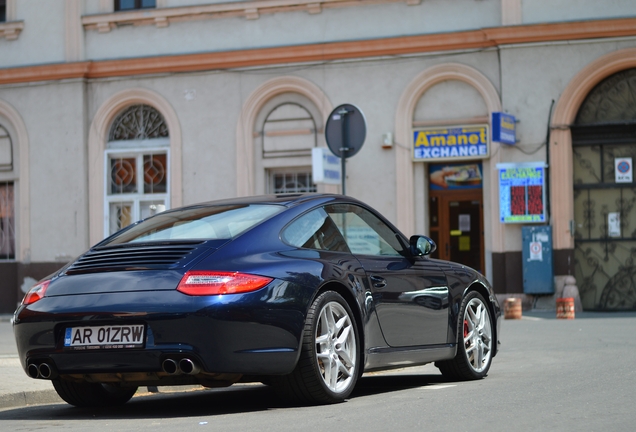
11,30
250,10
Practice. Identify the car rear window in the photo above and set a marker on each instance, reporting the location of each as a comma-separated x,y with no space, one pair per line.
198,223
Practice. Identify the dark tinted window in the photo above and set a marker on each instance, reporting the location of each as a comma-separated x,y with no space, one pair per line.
121,5
3,10
315,230
364,232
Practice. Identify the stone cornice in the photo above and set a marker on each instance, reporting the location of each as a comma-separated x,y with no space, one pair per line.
476,39
162,17
11,30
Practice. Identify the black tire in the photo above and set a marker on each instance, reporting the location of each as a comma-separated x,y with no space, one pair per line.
84,394
312,382
475,341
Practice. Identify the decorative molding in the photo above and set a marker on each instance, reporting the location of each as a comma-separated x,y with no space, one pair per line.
23,214
571,99
97,138
249,9
245,143
11,30
474,39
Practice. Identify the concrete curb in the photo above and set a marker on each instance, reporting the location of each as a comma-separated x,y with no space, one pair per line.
44,397
23,399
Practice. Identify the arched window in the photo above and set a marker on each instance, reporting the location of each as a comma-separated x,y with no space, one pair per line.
137,167
288,127
7,200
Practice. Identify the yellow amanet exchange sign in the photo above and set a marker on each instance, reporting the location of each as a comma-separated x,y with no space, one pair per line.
455,142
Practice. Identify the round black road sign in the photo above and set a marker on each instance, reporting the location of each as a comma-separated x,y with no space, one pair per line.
346,130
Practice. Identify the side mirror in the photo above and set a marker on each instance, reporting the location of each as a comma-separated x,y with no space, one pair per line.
422,245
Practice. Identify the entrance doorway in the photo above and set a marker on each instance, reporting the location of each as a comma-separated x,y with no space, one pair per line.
604,151
456,216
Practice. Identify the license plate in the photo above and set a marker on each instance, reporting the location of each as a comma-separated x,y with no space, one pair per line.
104,337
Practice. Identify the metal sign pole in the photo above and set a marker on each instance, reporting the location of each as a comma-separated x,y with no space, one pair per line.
345,147
345,132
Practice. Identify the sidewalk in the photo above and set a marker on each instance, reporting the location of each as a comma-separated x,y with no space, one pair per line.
16,388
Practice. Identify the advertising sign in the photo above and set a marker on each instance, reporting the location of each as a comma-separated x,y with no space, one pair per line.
623,170
455,176
503,128
325,167
522,192
449,143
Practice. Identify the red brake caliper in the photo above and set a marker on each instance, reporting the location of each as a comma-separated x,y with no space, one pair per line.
466,331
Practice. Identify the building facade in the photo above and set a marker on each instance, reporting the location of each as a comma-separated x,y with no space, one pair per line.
113,110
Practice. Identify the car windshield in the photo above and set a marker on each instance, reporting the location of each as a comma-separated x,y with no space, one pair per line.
196,223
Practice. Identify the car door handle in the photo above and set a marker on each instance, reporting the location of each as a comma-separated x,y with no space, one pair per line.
378,282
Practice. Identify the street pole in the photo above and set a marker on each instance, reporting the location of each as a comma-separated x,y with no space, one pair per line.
345,147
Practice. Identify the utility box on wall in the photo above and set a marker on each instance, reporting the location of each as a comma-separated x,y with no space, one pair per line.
538,274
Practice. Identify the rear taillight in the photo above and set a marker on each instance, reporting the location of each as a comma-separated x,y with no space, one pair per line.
201,283
36,293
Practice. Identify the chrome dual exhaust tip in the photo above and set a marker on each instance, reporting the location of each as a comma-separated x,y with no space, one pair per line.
42,370
189,367
185,366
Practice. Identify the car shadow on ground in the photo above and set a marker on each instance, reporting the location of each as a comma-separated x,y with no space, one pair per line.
209,402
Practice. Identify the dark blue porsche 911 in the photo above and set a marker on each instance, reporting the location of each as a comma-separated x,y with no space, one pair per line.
302,292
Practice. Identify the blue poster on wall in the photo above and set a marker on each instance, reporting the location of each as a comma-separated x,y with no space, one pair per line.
455,176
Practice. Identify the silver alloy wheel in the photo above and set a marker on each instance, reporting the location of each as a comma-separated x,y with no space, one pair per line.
336,348
477,335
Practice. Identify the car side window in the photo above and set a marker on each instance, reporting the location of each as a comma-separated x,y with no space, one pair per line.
364,232
315,230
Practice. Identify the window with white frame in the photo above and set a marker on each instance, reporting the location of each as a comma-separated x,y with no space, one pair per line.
137,167
7,198
288,127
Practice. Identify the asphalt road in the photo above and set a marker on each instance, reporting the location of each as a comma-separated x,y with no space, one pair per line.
549,375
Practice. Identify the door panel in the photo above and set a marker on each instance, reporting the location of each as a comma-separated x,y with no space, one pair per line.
409,295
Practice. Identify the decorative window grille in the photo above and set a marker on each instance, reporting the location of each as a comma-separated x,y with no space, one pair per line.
289,130
137,167
291,182
7,221
288,133
139,122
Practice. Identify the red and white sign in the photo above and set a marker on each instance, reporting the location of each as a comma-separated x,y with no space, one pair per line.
536,251
623,169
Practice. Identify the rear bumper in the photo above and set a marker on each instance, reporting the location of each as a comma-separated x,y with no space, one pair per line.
257,333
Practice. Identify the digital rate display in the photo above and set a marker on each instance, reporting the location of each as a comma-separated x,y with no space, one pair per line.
522,193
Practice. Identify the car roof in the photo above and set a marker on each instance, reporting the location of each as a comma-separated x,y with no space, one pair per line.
288,200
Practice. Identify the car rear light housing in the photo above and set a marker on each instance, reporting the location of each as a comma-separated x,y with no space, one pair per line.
203,283
36,293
